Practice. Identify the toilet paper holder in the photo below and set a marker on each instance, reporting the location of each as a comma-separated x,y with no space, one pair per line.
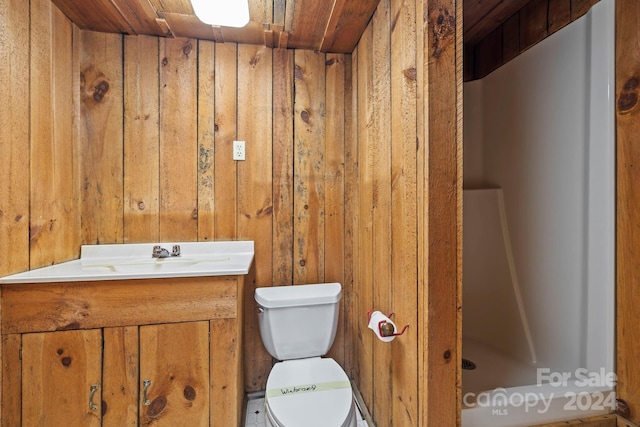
387,328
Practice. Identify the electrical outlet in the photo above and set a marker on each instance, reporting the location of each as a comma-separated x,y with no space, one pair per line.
238,150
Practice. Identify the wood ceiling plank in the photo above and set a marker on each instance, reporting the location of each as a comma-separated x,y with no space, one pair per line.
308,29
182,7
487,19
345,25
141,16
97,15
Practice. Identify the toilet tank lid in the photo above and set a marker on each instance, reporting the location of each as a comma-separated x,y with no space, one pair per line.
298,295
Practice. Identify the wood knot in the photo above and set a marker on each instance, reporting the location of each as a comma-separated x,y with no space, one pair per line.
104,408
298,73
411,73
332,61
60,351
157,406
194,214
305,116
100,90
628,98
303,263
189,393
623,409
186,49
141,206
165,61
444,29
447,355
66,362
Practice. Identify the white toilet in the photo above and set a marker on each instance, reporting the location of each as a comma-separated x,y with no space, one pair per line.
298,325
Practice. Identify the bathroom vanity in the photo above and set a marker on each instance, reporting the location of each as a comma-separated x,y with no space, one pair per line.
143,350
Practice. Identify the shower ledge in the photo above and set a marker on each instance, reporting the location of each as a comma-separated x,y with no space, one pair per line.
134,261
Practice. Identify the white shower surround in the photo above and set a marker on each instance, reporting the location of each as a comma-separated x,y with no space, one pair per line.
541,127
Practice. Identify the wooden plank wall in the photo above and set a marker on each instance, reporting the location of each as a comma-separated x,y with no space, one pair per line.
157,156
406,220
528,26
628,204
39,212
347,155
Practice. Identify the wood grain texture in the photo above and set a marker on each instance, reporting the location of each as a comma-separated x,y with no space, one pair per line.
175,358
533,23
84,305
559,14
226,111
120,368
443,78
206,141
309,167
628,203
58,370
283,155
363,271
255,192
178,140
14,136
345,24
381,206
54,217
141,140
334,181
101,137
11,381
404,238
225,371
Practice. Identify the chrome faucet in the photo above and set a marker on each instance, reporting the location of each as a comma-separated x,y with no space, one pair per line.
160,252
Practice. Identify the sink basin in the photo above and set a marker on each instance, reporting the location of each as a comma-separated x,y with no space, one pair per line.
134,261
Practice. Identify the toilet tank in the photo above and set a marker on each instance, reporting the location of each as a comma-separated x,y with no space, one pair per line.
298,321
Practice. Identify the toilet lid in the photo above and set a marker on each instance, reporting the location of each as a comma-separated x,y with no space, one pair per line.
313,392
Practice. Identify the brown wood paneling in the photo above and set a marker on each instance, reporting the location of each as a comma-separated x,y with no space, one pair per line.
206,141
225,128
225,363
404,261
101,137
334,219
58,372
255,191
141,138
120,366
54,216
84,305
533,23
482,24
628,203
11,380
363,268
488,53
559,14
309,166
14,137
283,155
580,7
175,359
178,140
381,207
345,25
443,46
528,26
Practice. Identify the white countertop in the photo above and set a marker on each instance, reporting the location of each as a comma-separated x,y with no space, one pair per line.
134,261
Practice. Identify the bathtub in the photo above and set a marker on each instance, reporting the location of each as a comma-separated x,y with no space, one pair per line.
539,232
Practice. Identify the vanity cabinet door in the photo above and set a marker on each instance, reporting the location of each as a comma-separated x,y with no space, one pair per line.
174,374
61,376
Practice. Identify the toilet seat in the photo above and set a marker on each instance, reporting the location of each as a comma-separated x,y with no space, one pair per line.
312,392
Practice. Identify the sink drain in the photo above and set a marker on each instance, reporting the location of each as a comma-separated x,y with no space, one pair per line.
468,364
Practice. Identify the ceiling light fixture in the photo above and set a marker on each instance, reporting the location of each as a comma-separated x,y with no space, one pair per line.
222,13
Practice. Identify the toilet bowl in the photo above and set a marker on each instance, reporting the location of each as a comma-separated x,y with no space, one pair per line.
313,392
298,325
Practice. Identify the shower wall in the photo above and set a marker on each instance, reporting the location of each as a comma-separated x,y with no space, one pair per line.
541,128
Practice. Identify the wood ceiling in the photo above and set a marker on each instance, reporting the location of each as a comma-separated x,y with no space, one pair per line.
323,25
